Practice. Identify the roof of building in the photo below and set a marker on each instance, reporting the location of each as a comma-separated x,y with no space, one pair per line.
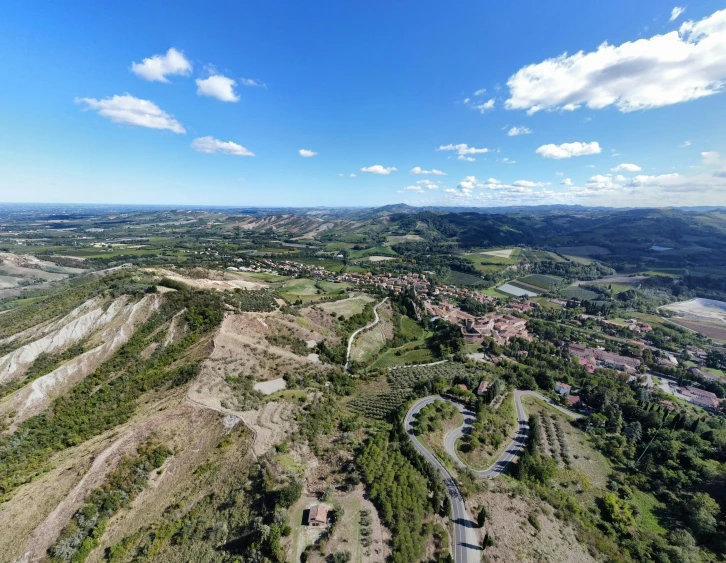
318,513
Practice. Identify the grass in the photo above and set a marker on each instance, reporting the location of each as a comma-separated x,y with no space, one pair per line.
390,359
462,278
587,461
576,292
332,287
300,287
489,268
542,281
289,465
411,329
292,395
493,292
347,307
261,277
646,504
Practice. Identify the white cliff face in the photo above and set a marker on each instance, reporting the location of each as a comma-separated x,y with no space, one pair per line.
118,324
69,330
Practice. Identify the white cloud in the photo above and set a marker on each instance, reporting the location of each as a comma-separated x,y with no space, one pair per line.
211,145
462,149
252,82
480,92
625,167
353,175
378,169
466,158
710,157
428,184
505,160
419,170
306,153
675,12
133,111
514,131
470,183
686,144
418,189
567,150
158,67
484,107
690,185
217,86
528,184
566,182
648,73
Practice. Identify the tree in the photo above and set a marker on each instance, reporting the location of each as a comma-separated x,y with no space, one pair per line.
634,431
702,512
481,517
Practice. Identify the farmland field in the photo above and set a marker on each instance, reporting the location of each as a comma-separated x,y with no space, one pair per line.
574,292
347,307
711,330
300,287
504,253
462,278
409,355
541,280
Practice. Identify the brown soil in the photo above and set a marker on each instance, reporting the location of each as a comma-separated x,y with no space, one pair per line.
516,538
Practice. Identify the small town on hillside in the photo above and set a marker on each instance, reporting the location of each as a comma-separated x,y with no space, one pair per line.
440,302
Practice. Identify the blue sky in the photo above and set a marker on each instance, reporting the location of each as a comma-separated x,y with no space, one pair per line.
369,87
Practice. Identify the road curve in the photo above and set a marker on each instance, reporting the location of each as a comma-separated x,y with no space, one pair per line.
515,446
466,543
369,325
467,548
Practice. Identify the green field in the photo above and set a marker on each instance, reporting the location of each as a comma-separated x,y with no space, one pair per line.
389,358
541,281
332,287
540,256
489,268
347,307
300,287
463,279
575,292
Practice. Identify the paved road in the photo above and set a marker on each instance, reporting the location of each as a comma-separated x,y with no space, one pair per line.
467,548
369,325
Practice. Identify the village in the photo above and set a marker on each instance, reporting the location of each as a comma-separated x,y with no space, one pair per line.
440,302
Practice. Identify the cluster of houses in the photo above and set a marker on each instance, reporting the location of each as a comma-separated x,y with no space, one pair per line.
592,358
501,327
573,401
639,327
700,397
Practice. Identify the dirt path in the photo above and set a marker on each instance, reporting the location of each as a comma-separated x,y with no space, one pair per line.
369,325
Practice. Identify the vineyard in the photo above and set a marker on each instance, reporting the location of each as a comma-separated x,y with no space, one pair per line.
558,448
378,405
410,377
403,382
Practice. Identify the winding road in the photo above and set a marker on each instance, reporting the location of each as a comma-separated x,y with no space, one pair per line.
369,325
467,548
